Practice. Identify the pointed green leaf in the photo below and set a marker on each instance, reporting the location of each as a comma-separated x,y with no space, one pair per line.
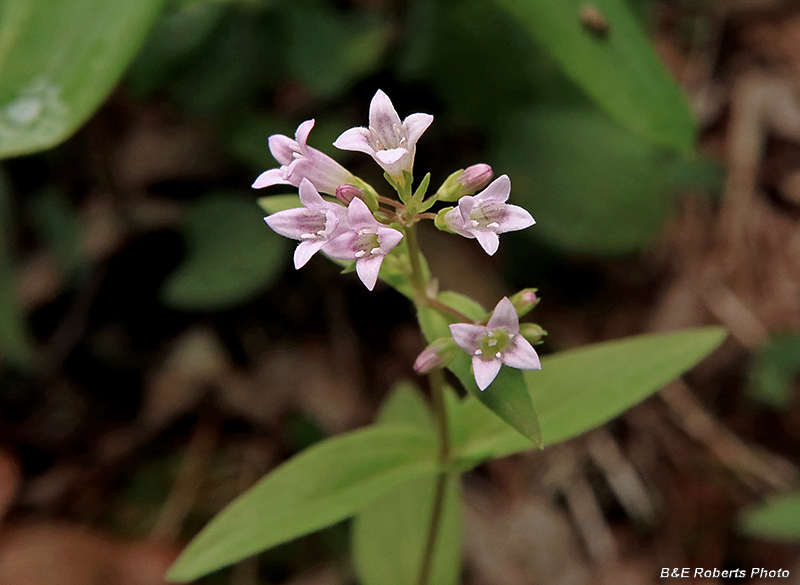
776,519
321,486
463,304
580,389
59,59
618,68
389,535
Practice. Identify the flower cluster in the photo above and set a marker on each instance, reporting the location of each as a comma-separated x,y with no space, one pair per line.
351,225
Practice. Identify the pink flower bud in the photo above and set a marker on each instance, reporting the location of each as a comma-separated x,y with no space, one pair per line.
346,192
532,332
525,300
476,177
437,355
426,361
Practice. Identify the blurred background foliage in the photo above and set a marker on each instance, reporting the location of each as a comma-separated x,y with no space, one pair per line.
130,240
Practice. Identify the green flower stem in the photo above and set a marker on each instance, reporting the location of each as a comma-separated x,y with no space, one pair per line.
437,384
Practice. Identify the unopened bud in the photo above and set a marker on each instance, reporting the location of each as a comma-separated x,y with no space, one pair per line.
532,332
525,300
476,177
465,182
437,355
346,193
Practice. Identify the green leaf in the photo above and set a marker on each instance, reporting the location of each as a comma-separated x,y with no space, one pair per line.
776,367
59,59
405,405
619,69
275,203
233,255
171,45
592,186
328,50
507,396
389,534
581,389
464,305
777,519
321,486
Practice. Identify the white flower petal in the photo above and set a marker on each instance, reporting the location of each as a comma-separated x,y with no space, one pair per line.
485,371
368,269
304,252
467,336
498,190
489,241
269,178
413,127
522,355
504,316
356,139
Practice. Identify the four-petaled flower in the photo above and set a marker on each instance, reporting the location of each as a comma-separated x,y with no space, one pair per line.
367,242
485,215
300,161
314,225
389,141
496,343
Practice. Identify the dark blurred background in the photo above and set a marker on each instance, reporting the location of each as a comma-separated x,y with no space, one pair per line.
158,352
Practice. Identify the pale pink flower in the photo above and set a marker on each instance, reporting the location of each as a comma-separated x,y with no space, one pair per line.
389,141
496,343
314,225
367,242
485,215
300,161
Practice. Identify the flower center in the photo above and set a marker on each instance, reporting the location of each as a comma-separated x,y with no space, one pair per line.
494,344
488,216
313,225
367,243
388,140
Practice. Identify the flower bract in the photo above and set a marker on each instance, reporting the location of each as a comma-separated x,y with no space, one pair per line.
496,343
485,215
389,141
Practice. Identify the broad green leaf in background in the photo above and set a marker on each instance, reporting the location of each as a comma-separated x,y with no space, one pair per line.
171,45
618,68
321,486
481,63
232,255
592,186
776,519
581,389
59,59
275,203
507,396
389,534
775,370
327,51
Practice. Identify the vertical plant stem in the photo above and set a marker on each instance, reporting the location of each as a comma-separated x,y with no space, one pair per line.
437,384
